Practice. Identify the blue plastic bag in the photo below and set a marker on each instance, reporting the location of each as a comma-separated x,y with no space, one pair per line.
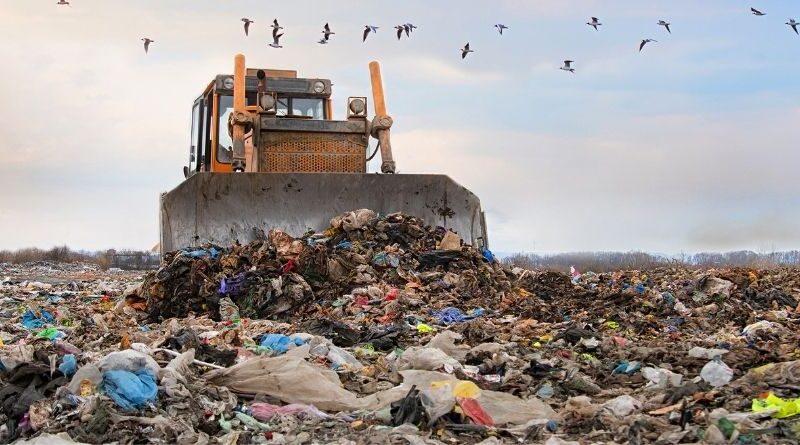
627,368
384,259
130,390
279,343
68,365
488,255
31,321
202,253
450,315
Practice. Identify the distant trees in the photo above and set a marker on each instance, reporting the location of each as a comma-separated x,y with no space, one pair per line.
123,259
611,261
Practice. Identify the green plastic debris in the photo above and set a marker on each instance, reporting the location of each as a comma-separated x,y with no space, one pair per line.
727,427
785,408
50,334
251,422
423,328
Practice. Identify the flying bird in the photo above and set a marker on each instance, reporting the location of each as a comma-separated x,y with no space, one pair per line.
793,23
247,23
410,27
323,42
500,27
147,41
63,2
645,42
327,32
276,39
756,12
400,29
665,25
465,50
275,26
594,23
568,66
369,29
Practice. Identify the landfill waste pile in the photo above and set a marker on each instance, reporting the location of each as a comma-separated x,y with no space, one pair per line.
384,330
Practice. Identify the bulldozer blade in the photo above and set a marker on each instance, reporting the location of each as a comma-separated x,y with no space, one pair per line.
222,208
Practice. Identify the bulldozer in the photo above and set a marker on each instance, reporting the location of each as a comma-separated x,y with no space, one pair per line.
266,152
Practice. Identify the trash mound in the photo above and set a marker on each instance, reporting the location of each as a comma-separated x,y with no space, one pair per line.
385,330
362,258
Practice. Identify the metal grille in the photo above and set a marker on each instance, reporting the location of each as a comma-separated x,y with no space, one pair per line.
301,152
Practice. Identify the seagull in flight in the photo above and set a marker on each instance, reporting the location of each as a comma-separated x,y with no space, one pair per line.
63,2
665,25
465,50
500,27
645,42
247,23
594,23
757,12
568,66
147,41
410,27
400,29
793,23
369,29
276,39
327,32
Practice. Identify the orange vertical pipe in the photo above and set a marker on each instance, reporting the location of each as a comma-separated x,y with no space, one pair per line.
239,103
377,89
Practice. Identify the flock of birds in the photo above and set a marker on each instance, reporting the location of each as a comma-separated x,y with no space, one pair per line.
408,29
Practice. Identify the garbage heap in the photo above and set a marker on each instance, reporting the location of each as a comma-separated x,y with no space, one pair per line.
384,330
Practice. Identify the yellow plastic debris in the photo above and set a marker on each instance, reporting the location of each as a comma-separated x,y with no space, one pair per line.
612,324
466,390
2,343
785,408
423,328
546,338
537,345
86,388
462,389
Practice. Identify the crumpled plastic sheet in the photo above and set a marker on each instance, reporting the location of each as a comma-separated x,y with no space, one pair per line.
266,411
130,390
31,321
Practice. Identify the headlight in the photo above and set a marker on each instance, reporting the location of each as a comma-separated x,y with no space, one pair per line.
228,83
267,102
356,107
319,87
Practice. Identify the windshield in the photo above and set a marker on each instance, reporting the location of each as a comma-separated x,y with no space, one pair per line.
224,140
308,107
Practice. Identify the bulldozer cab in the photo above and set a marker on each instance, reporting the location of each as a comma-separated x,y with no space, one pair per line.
290,126
266,152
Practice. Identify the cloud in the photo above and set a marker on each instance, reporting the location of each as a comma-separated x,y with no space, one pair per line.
436,70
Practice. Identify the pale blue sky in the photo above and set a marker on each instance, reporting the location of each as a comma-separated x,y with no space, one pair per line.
690,145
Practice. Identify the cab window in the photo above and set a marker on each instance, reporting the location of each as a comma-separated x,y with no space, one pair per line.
308,108
224,140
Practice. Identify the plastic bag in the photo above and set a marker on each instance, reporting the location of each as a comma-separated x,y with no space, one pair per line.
130,390
622,406
128,360
783,408
279,343
30,320
426,359
266,411
716,373
660,378
68,365
474,411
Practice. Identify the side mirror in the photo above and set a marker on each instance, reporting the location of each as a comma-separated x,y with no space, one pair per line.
185,171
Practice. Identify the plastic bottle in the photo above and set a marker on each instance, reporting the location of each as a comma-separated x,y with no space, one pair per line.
716,373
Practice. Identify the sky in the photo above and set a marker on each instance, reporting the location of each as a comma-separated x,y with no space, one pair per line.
691,145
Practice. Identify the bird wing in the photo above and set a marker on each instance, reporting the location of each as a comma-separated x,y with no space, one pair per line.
408,30
146,46
794,27
247,28
644,42
667,26
466,47
399,32
327,28
756,11
274,32
366,33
